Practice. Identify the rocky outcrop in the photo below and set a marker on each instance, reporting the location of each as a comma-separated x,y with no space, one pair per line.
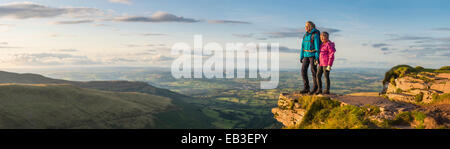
290,113
411,98
418,88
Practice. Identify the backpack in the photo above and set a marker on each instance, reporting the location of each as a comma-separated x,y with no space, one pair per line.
313,37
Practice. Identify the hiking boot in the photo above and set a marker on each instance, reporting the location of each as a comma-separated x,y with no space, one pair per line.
326,92
304,91
318,92
313,91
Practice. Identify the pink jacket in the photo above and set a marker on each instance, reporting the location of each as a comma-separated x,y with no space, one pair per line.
327,51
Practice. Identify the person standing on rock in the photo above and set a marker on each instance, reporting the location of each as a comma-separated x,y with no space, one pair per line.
309,55
326,59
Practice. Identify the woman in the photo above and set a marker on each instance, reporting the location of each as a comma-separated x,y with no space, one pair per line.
326,59
309,55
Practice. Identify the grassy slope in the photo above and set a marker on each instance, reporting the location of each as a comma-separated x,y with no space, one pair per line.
66,106
183,115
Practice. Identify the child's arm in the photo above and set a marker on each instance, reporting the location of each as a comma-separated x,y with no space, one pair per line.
331,51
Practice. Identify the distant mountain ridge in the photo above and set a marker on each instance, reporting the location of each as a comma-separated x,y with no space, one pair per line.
179,115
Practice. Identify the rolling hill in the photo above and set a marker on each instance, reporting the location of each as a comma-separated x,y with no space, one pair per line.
35,101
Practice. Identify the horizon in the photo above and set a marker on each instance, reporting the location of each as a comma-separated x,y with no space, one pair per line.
129,33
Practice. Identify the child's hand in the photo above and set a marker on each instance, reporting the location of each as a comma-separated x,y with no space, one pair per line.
329,68
316,62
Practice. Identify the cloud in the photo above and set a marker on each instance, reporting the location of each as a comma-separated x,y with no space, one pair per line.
227,22
144,45
378,45
284,34
74,22
157,17
121,1
243,35
289,33
443,39
50,59
122,60
60,35
4,45
446,54
442,29
8,47
288,50
329,30
26,10
68,50
423,50
160,58
153,34
408,37
417,46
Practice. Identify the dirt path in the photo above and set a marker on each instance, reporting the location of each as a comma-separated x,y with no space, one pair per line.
440,112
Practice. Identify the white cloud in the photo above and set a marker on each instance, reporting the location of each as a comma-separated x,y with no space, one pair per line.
49,59
26,10
121,1
157,17
73,22
227,22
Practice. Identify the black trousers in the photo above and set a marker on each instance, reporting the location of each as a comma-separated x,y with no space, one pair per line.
323,69
305,64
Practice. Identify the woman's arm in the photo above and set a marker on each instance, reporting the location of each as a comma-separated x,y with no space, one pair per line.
301,50
317,44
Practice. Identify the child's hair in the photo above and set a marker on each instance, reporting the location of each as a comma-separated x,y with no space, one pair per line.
326,34
311,23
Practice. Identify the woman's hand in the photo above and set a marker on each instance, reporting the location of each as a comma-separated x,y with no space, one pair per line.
329,68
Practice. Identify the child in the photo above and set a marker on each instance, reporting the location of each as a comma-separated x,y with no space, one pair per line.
326,59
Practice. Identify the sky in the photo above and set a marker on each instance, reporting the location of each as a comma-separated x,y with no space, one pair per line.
73,33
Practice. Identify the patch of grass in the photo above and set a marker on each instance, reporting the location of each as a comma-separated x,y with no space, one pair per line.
440,98
396,72
443,69
372,110
67,106
406,118
418,98
324,113
425,79
403,118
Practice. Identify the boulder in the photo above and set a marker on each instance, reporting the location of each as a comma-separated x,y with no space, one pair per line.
407,83
441,85
424,84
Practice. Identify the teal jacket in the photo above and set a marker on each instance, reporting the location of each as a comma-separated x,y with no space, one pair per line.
308,45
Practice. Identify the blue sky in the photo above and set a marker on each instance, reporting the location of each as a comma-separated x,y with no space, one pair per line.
367,33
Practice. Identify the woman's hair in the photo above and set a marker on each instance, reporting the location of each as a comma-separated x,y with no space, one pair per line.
326,34
311,23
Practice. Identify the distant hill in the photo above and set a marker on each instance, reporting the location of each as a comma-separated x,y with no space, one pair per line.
67,106
54,99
